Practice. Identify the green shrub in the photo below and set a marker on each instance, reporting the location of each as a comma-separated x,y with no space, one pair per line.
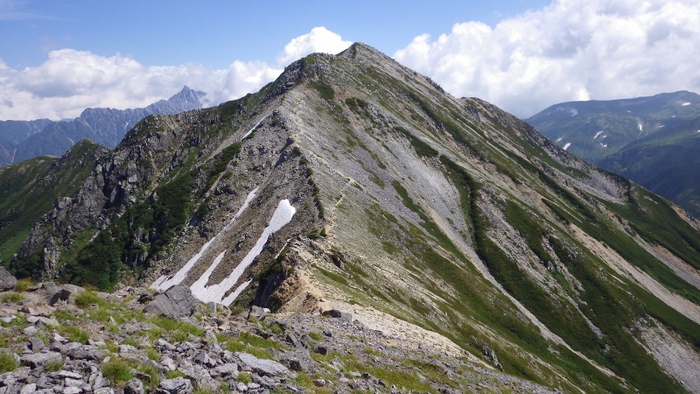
8,362
75,334
23,284
11,297
87,298
117,371
324,90
244,378
315,335
53,365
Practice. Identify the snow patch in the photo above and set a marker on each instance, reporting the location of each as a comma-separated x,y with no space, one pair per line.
604,145
685,104
215,293
253,128
597,134
559,139
573,112
568,144
662,126
165,282
640,126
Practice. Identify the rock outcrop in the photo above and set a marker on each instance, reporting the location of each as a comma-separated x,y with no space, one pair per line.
7,280
176,302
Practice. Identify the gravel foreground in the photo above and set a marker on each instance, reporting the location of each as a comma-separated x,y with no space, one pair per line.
63,339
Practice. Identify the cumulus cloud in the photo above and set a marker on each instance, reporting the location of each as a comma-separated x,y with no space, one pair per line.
569,50
71,80
319,39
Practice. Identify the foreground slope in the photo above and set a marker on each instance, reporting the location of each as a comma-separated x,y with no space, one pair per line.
651,140
354,183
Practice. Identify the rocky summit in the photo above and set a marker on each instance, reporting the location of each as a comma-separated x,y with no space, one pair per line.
450,246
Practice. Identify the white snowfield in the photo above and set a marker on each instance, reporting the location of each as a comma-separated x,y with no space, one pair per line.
685,104
597,134
165,282
567,145
216,292
253,128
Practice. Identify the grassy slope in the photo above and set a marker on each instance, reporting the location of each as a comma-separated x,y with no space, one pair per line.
29,190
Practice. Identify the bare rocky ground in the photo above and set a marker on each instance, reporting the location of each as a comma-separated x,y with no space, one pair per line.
63,339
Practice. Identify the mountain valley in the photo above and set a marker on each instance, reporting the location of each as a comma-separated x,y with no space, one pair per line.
651,140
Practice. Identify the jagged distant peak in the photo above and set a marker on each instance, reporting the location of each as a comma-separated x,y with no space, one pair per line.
188,94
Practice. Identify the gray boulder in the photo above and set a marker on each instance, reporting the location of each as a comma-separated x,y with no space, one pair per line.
134,386
175,303
343,316
7,280
35,360
178,385
263,366
55,293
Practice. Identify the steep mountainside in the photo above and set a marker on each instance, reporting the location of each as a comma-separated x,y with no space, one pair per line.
33,187
353,183
13,132
653,141
20,141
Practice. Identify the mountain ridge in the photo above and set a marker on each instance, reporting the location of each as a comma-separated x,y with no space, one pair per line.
638,138
24,140
446,213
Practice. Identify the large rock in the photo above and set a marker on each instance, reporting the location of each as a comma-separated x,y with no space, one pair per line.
178,385
35,360
262,366
55,293
134,386
177,302
7,280
343,316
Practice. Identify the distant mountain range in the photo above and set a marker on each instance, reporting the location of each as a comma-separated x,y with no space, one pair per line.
653,141
22,140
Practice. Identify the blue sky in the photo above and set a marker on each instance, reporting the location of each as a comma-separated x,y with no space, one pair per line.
215,33
57,58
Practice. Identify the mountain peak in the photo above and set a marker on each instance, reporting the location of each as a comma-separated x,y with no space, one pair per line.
188,95
360,49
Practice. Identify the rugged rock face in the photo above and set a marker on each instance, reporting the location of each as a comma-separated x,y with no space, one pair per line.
355,184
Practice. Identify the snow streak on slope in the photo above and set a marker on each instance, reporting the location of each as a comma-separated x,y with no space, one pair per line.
165,282
568,144
253,128
215,293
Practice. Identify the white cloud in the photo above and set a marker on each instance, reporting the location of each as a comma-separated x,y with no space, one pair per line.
71,80
570,50
319,39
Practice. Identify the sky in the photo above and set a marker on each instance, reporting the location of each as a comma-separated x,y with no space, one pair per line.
60,57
